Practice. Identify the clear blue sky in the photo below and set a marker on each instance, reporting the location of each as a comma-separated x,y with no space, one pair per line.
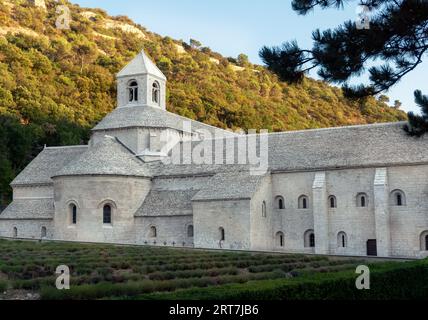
231,27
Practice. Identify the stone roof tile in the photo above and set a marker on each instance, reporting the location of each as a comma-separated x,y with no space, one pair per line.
22,209
108,157
46,164
229,186
167,203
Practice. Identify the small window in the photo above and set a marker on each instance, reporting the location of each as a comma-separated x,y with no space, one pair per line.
309,239
153,232
222,234
43,232
264,209
107,214
133,91
280,202
156,92
303,202
332,202
398,198
279,239
342,240
15,232
424,241
362,200
73,213
190,231
312,240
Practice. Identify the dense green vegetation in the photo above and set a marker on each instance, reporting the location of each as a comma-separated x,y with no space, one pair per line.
128,272
388,281
56,84
101,271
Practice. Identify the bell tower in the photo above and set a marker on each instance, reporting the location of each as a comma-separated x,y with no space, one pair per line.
141,83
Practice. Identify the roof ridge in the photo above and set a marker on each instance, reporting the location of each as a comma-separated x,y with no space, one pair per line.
359,126
66,147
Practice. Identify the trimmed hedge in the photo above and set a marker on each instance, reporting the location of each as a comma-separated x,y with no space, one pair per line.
390,281
3,286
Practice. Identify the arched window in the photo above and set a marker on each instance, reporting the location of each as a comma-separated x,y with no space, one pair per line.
264,209
133,91
222,234
156,92
309,239
332,202
303,202
312,240
153,232
342,240
424,241
107,214
15,232
73,213
279,238
43,233
280,202
362,200
398,198
190,231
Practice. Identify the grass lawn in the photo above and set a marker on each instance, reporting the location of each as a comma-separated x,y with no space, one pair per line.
27,270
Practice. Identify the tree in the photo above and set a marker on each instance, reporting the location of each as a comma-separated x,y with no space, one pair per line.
418,124
195,44
242,60
397,104
394,44
383,98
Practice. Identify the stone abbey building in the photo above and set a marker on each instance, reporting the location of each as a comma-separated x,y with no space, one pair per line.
359,190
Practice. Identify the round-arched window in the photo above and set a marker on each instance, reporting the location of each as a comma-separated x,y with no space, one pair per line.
190,231
332,203
133,91
153,232
398,198
303,202
107,214
342,240
362,200
156,92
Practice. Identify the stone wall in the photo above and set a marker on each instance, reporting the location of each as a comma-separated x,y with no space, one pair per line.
28,229
232,216
397,229
89,193
292,221
170,231
262,227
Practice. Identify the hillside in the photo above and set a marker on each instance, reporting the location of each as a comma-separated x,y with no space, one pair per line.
56,84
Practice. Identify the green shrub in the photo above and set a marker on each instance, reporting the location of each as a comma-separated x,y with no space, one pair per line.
3,286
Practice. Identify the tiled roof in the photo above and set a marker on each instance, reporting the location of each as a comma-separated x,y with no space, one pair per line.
354,146
108,157
150,117
21,209
141,64
323,149
167,203
46,164
230,185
